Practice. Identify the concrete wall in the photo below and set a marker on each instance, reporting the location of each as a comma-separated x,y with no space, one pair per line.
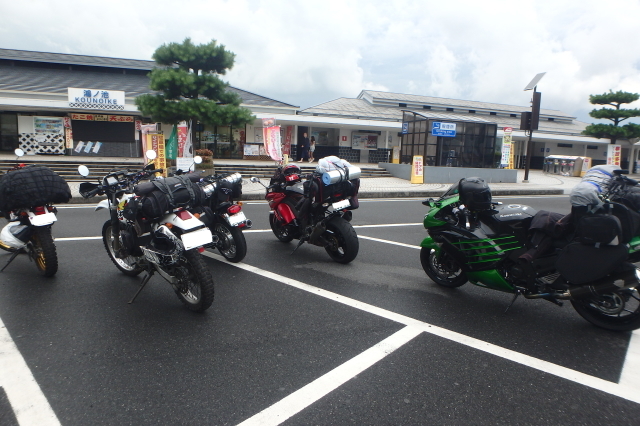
452,174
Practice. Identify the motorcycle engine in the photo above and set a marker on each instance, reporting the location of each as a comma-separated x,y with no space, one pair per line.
128,239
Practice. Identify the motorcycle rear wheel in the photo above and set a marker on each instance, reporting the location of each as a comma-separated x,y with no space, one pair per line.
231,242
343,241
195,287
127,265
615,311
282,232
44,253
444,270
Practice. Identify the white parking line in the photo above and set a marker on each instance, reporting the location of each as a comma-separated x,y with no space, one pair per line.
323,385
25,396
625,392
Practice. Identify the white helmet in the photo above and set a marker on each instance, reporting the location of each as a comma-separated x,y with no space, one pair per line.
15,235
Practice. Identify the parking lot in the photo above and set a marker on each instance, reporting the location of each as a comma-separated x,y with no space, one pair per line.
299,339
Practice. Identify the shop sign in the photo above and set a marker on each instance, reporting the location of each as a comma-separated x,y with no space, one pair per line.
507,130
443,129
417,169
103,117
96,98
613,154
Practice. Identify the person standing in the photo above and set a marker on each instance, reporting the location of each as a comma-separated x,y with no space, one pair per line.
312,148
304,148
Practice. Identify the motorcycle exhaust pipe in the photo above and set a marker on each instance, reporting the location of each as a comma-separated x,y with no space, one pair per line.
625,280
248,223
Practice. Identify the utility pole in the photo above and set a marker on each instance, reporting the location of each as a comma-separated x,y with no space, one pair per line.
530,120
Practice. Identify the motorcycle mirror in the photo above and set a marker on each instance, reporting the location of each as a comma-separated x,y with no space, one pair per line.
254,179
19,152
151,154
197,159
83,170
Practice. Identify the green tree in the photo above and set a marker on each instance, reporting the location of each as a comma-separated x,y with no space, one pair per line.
189,86
616,115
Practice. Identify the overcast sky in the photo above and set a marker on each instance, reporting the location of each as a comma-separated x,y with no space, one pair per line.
306,52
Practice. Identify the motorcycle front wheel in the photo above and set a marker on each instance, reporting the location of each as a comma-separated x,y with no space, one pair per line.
129,265
231,242
615,311
282,232
343,241
44,251
195,283
442,270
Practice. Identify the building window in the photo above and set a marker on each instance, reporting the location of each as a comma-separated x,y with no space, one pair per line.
513,115
550,119
493,113
426,107
472,111
402,105
450,109
592,146
565,145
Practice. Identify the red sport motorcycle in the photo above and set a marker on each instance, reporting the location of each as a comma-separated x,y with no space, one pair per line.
316,210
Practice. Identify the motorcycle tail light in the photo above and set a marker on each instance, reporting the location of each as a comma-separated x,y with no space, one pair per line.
200,249
233,209
39,210
184,215
197,215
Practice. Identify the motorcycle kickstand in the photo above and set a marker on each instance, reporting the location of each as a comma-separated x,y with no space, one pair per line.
300,242
144,282
515,296
13,256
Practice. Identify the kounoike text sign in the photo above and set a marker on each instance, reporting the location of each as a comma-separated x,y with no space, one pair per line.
96,98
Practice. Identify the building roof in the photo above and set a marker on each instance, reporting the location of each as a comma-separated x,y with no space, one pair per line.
364,108
42,72
385,98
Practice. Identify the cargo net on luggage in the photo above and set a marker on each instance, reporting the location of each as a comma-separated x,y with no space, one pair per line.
32,186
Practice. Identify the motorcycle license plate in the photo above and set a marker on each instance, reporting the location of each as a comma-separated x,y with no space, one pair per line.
196,238
236,219
43,219
341,205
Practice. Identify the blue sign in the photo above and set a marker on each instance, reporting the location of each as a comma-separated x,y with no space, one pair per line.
443,129
405,128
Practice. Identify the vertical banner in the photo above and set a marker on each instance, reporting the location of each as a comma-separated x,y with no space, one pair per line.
145,129
138,126
288,135
172,144
156,142
614,154
68,137
272,142
182,137
417,169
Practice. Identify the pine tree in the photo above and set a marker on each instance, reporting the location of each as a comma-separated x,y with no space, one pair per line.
616,115
190,88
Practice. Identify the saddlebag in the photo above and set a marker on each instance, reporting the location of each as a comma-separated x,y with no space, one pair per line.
32,186
581,264
598,229
163,195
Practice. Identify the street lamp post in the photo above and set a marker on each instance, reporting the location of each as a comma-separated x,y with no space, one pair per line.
530,120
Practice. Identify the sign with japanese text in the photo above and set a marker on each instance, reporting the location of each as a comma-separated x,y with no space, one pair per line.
443,129
417,169
288,135
103,117
364,141
156,143
96,98
182,138
614,153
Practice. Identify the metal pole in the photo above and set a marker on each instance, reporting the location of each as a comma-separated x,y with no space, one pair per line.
529,148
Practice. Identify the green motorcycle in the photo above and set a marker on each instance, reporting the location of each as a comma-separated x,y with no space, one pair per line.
539,255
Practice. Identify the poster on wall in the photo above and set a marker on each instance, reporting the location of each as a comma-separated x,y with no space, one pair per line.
364,141
258,135
48,125
252,150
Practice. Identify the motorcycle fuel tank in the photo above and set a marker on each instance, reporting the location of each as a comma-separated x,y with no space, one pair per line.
508,219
